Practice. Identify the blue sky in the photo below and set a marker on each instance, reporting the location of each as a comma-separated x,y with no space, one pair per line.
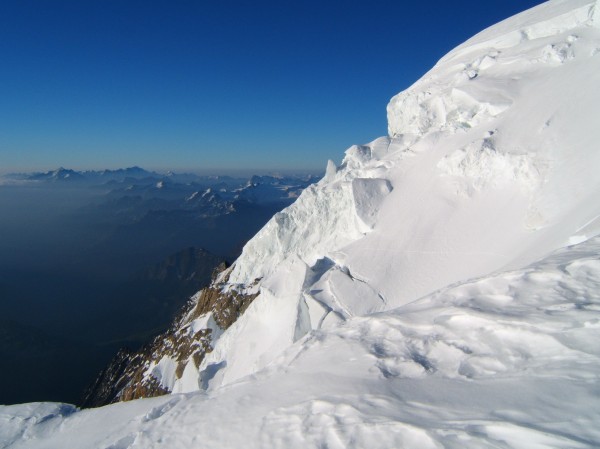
213,86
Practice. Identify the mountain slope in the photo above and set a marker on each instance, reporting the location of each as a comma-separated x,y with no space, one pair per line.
491,163
508,360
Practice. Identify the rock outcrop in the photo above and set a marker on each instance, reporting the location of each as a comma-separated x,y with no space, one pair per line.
154,369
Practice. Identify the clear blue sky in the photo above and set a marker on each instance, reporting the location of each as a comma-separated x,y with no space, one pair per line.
213,85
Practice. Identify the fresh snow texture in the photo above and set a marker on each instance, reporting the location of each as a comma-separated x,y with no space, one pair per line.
509,360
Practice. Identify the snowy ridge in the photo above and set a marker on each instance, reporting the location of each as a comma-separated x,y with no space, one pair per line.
445,99
328,214
491,163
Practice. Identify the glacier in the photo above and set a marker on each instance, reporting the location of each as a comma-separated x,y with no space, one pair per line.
440,288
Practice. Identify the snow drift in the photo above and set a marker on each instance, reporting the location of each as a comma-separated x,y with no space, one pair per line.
408,299
491,163
509,360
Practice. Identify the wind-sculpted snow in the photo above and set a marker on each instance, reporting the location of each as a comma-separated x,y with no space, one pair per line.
509,116
491,163
509,360
326,216
468,86
368,195
479,166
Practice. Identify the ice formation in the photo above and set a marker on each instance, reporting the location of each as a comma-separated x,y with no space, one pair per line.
490,164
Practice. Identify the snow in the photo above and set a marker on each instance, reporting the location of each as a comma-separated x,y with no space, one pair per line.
507,360
491,163
192,196
163,371
368,195
205,321
408,299
264,329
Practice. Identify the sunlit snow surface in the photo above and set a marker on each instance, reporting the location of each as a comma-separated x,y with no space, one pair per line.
510,360
356,338
492,163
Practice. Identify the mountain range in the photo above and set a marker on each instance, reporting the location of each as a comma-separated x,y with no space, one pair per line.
98,261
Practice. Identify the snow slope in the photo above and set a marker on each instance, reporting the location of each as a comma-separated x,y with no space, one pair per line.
505,361
491,163
393,309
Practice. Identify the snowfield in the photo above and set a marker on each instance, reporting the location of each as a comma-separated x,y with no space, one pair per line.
439,289
509,360
492,162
